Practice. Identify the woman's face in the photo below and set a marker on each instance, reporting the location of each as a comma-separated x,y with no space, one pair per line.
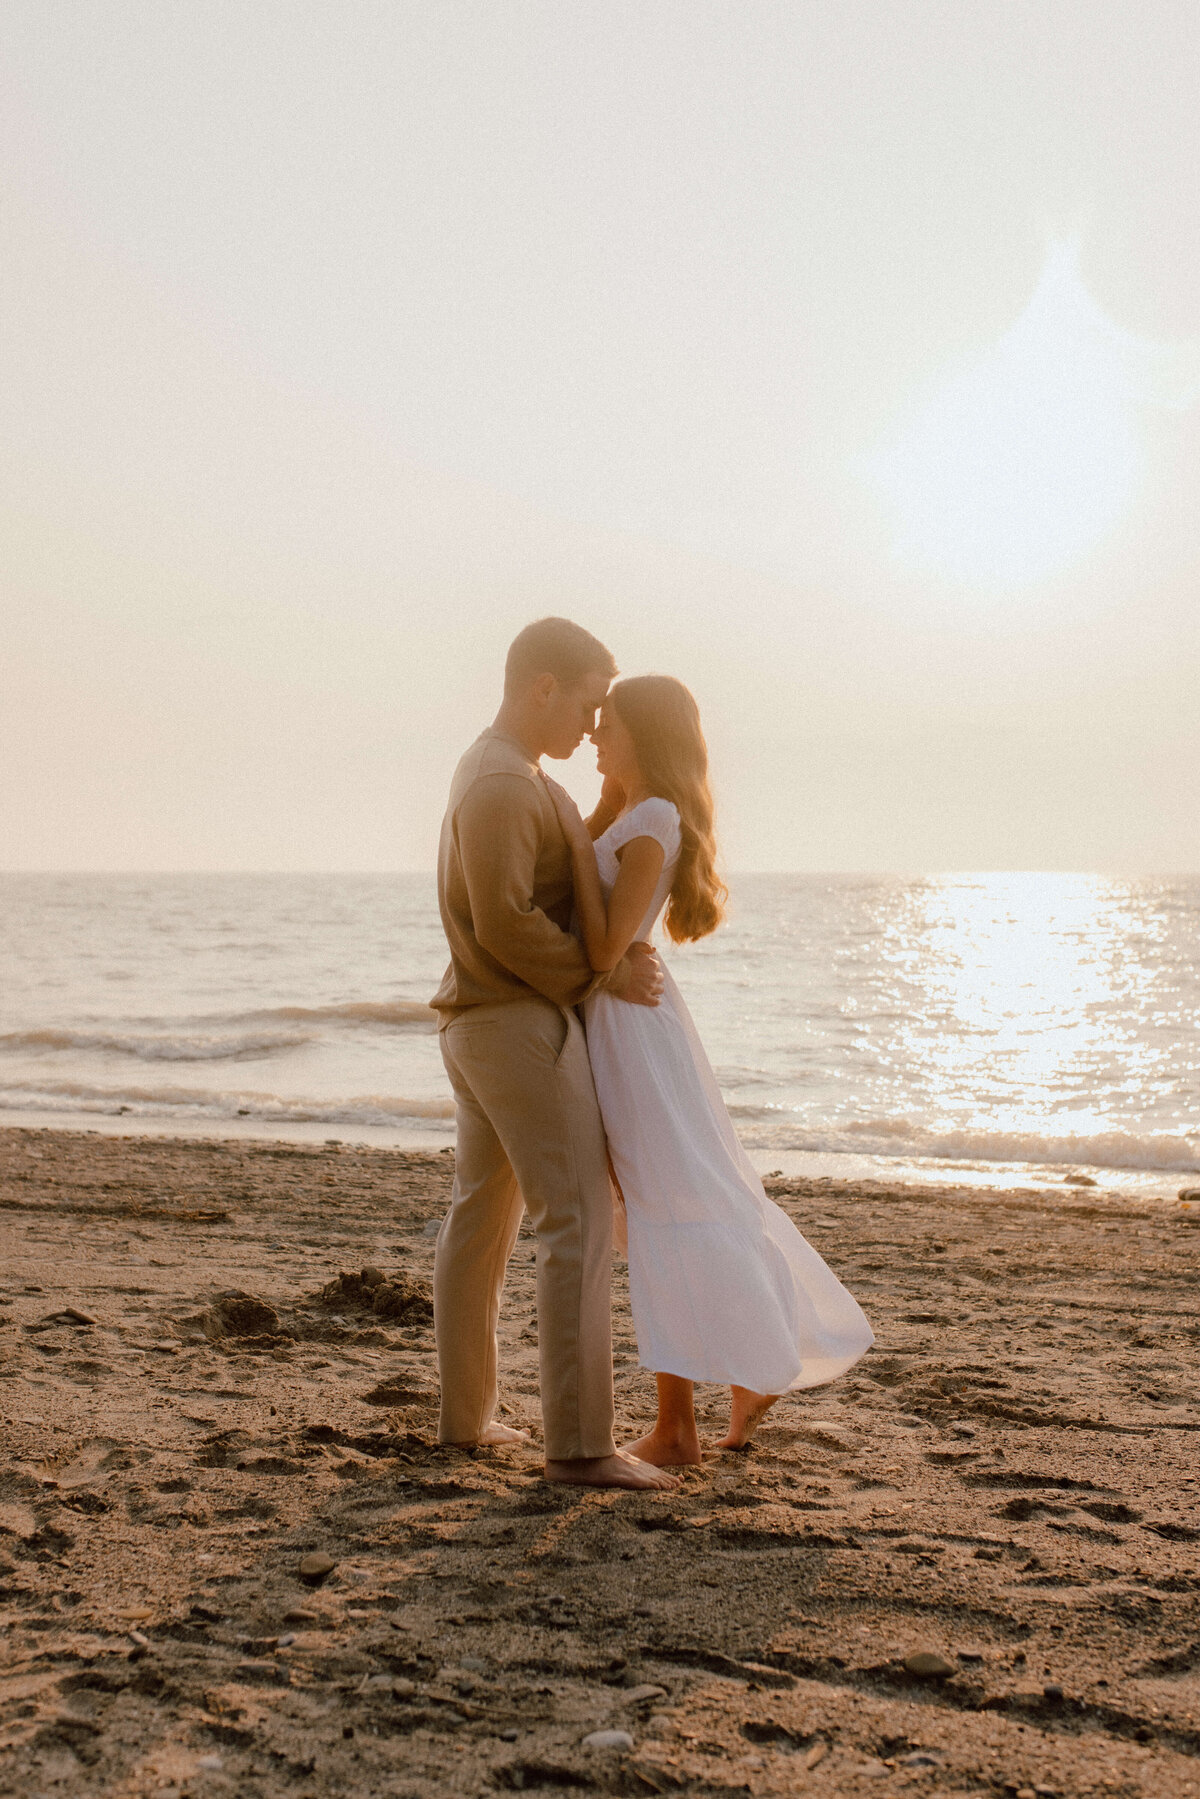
615,754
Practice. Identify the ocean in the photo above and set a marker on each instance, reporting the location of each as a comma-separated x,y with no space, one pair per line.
977,1028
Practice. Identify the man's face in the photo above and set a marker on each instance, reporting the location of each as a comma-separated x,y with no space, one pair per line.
570,714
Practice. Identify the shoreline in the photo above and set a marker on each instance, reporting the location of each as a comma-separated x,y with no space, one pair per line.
1006,1484
1163,1185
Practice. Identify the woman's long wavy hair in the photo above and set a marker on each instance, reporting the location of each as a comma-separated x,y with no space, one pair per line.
663,720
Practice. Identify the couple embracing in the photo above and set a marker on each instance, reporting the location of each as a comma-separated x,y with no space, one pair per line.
580,1084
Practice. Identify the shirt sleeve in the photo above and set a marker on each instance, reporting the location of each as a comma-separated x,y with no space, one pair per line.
655,818
499,826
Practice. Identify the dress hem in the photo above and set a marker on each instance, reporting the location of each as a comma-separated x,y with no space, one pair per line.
802,1383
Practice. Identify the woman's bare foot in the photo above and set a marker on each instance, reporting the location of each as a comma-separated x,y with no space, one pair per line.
674,1442
619,1470
746,1412
669,1449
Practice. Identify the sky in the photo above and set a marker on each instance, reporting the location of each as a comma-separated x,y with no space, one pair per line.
842,359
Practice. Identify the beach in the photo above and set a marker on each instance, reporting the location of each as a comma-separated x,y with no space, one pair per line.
968,1568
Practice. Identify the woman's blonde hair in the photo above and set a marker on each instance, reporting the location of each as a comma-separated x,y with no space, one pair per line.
663,720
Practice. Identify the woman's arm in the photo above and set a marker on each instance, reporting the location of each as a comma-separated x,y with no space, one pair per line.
608,930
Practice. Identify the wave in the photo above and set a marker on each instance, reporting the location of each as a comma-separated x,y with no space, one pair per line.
159,1046
193,1102
201,1039
898,1138
894,1139
353,1011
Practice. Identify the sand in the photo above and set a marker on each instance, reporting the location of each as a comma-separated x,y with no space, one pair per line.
1006,1486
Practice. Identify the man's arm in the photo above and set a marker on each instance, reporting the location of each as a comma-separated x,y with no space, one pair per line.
637,977
499,827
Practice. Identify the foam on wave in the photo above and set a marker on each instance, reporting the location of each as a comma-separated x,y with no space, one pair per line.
216,1037
898,1137
192,1102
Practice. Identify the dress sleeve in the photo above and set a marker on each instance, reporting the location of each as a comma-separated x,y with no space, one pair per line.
652,818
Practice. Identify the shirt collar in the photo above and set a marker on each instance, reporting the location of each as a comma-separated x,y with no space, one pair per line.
507,737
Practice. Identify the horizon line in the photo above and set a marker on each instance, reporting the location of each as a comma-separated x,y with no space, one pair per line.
907,874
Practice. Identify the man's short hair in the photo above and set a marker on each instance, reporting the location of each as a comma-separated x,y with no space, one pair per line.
555,646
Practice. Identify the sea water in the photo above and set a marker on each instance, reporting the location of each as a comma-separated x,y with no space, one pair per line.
967,1027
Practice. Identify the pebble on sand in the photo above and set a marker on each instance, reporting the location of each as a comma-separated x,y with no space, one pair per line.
316,1566
927,1664
608,1739
262,1674
638,1695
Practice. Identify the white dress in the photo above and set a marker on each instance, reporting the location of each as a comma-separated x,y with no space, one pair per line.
723,1286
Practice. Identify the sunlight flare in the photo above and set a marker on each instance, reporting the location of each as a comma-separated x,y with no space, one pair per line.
1022,460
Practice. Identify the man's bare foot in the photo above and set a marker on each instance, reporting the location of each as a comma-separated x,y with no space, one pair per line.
619,1470
668,1449
746,1412
494,1436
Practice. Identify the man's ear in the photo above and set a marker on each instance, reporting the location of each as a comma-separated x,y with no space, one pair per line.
542,688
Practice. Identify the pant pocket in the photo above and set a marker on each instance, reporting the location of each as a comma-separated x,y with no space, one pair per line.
568,1020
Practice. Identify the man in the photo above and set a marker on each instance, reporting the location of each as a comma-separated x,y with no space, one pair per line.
529,1129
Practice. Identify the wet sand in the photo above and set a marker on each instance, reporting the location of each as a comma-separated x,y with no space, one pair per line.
1007,1487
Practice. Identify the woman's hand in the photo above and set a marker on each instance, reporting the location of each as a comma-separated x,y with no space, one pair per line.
608,807
574,829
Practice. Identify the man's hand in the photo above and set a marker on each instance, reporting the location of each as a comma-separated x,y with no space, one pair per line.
646,979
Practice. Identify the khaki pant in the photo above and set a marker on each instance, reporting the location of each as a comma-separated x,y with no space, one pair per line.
529,1137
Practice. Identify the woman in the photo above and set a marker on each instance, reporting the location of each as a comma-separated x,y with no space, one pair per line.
723,1286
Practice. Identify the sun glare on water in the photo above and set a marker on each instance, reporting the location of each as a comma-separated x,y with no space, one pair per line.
1022,461
1021,972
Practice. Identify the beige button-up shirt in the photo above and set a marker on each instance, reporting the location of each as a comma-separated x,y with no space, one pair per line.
504,887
